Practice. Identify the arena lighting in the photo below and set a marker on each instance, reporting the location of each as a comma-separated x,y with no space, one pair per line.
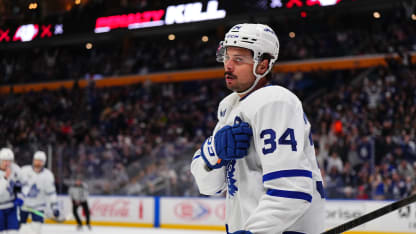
77,2
174,14
303,14
171,37
88,45
376,15
33,6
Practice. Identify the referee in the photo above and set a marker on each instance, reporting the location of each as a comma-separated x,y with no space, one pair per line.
78,192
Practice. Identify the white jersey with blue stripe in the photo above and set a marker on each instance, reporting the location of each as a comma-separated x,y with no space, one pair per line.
7,194
38,188
277,187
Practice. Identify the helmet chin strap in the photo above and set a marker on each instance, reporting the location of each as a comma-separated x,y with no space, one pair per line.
258,77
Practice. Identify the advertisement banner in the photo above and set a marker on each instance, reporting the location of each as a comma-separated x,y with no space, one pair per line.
341,211
173,14
115,209
192,211
209,213
402,220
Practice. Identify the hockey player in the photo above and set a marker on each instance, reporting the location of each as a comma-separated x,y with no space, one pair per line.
261,151
38,188
9,187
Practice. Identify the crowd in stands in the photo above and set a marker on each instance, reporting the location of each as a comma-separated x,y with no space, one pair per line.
102,133
365,135
139,140
143,55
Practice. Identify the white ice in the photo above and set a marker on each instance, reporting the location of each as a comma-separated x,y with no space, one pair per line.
71,229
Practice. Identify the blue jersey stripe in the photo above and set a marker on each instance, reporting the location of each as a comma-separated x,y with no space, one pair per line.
320,189
292,232
287,173
289,194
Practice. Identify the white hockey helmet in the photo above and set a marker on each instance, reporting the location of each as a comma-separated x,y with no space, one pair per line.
40,155
259,38
6,154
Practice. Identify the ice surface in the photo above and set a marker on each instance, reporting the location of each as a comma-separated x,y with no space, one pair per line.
71,229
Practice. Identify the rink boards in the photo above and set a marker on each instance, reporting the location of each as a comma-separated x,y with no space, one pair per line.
209,213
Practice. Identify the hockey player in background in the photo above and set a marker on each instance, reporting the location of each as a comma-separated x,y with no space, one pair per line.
261,150
9,187
38,188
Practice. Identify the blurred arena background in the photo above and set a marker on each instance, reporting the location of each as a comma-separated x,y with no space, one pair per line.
121,93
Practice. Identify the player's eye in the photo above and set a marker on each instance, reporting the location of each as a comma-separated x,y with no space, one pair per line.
238,59
226,58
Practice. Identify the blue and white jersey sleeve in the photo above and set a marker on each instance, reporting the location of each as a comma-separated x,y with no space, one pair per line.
6,199
211,182
3,184
50,190
282,143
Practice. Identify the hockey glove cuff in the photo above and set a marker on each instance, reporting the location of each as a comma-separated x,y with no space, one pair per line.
209,155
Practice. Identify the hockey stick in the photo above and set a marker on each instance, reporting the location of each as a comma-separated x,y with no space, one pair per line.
36,212
372,215
42,214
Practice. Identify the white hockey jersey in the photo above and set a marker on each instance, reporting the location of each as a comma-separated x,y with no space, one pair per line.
277,188
7,194
38,188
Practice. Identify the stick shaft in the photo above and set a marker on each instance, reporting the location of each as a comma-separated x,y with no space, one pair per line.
36,212
372,215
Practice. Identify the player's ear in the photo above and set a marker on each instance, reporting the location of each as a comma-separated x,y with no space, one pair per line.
262,66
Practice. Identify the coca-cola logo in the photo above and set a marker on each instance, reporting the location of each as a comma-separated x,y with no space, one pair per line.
116,208
192,210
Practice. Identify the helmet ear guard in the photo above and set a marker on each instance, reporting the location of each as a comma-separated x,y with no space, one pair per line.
259,38
220,52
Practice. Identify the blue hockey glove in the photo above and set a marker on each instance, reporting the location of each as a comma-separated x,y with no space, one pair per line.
18,202
56,213
232,142
241,232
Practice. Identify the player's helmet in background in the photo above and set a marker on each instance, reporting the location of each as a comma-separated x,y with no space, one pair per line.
40,155
6,154
259,38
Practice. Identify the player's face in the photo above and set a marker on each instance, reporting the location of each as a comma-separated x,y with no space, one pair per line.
37,165
5,164
238,66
